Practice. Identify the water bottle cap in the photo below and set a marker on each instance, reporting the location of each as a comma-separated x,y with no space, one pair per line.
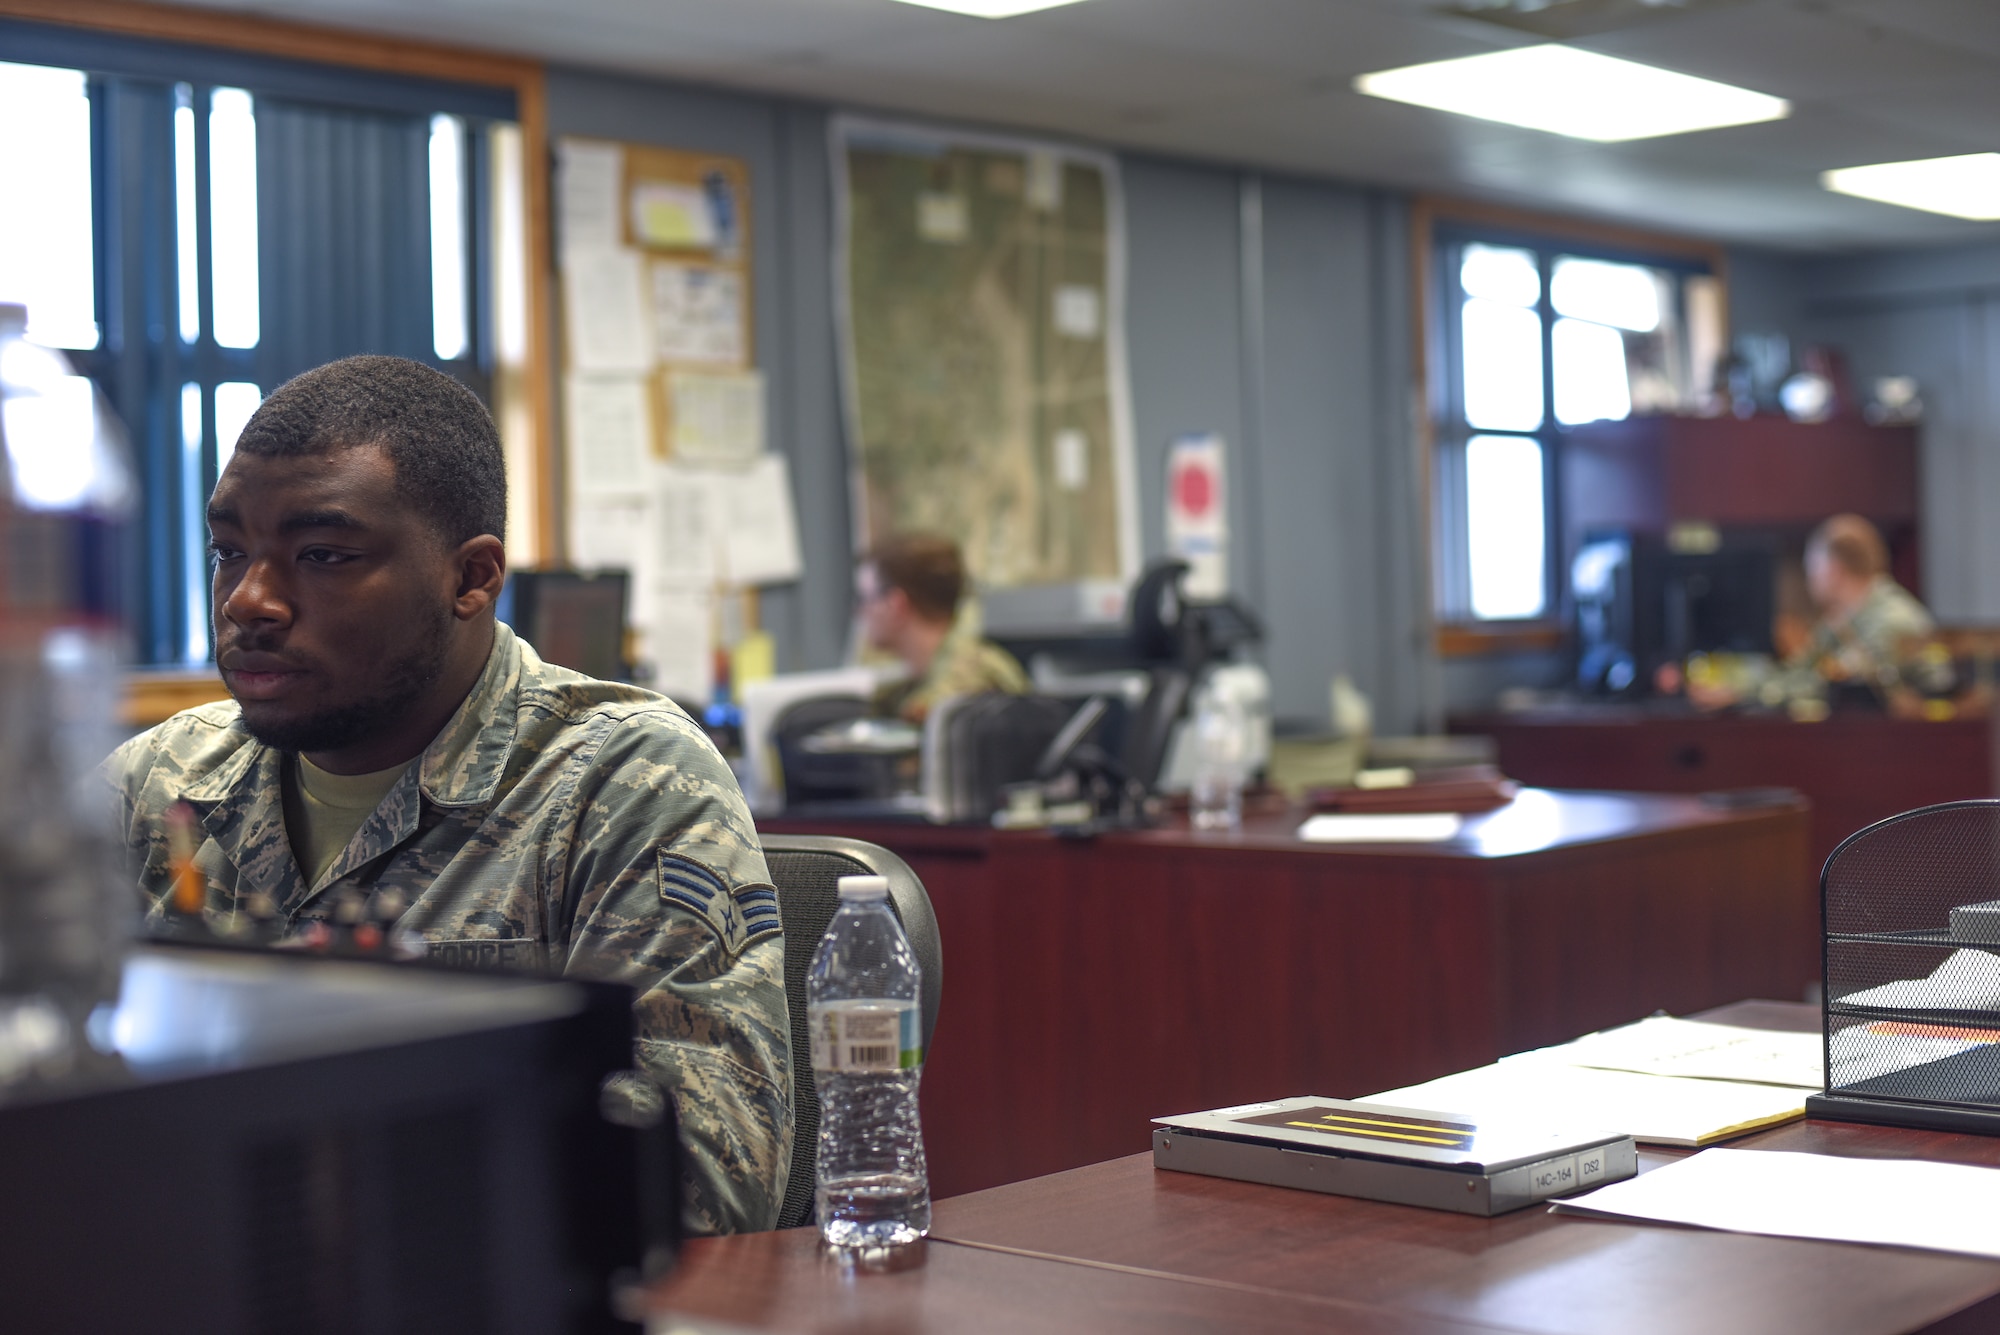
861,889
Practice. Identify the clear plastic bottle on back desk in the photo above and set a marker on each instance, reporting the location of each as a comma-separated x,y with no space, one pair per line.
1215,790
864,1003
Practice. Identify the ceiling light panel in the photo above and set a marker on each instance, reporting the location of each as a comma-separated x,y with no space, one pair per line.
1967,186
1577,93
991,9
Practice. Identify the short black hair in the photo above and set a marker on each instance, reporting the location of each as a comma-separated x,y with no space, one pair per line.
439,436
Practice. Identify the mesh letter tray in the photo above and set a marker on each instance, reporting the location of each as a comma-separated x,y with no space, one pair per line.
1911,909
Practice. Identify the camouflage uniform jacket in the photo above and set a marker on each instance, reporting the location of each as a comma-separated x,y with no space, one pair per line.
1875,646
965,665
557,822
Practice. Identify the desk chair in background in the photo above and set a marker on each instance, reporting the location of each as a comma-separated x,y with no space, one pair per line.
822,778
806,869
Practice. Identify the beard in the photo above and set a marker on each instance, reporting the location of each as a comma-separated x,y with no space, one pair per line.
401,684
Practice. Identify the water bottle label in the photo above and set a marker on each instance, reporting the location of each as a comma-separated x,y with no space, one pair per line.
868,1036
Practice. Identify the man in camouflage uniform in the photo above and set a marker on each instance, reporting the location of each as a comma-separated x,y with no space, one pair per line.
528,816
909,589
1871,631
1871,628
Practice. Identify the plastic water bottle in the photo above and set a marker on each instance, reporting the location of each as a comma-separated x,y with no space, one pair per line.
66,492
864,1003
1221,744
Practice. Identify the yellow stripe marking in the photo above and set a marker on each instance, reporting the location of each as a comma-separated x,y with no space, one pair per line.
1385,1135
1401,1126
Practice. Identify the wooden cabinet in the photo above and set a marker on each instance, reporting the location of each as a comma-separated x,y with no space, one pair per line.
1769,474
1855,769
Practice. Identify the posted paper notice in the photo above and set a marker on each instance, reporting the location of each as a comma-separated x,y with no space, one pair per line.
609,421
698,315
717,417
760,532
588,177
604,304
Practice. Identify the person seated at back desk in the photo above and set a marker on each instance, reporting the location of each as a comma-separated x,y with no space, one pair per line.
909,589
1870,630
394,753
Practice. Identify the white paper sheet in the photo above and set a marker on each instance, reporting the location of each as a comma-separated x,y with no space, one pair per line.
1967,980
677,640
612,533
1888,1202
1071,449
683,528
698,315
1657,1109
760,534
609,425
1694,1049
1862,1052
1078,311
718,418
607,322
1397,828
589,176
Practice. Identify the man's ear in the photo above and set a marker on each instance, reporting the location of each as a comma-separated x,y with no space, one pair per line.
481,563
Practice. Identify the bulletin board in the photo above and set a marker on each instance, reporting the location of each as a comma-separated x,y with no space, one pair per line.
667,472
682,234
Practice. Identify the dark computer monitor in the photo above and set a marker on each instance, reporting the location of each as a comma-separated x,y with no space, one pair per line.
1639,603
574,618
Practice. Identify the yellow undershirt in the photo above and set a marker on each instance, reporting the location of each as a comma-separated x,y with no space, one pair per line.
324,811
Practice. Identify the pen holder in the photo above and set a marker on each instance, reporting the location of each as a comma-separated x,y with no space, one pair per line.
1911,954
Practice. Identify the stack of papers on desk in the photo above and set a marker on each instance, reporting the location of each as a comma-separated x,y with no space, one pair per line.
1888,1202
1661,1081
1968,980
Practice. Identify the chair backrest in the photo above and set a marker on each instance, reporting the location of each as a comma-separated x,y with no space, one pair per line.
976,745
806,869
810,778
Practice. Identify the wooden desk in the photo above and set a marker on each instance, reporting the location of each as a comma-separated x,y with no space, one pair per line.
1856,769
1120,1246
1091,986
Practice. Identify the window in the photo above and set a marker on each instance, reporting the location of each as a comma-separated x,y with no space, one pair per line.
205,225
46,230
1539,338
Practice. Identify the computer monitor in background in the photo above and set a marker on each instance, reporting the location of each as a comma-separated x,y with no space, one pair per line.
1722,601
574,618
1639,603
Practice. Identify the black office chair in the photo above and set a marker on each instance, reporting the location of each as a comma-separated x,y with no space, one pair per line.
820,778
806,869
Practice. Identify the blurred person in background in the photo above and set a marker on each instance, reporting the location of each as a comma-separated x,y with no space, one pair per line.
1870,632
909,590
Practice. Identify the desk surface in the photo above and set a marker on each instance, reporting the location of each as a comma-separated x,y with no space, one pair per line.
1536,821
1121,1246
1076,971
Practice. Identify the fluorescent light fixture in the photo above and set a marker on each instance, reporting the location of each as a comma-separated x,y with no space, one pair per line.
1967,186
991,9
1576,93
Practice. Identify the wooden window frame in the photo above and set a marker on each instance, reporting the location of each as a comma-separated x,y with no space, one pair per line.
391,55
1459,639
